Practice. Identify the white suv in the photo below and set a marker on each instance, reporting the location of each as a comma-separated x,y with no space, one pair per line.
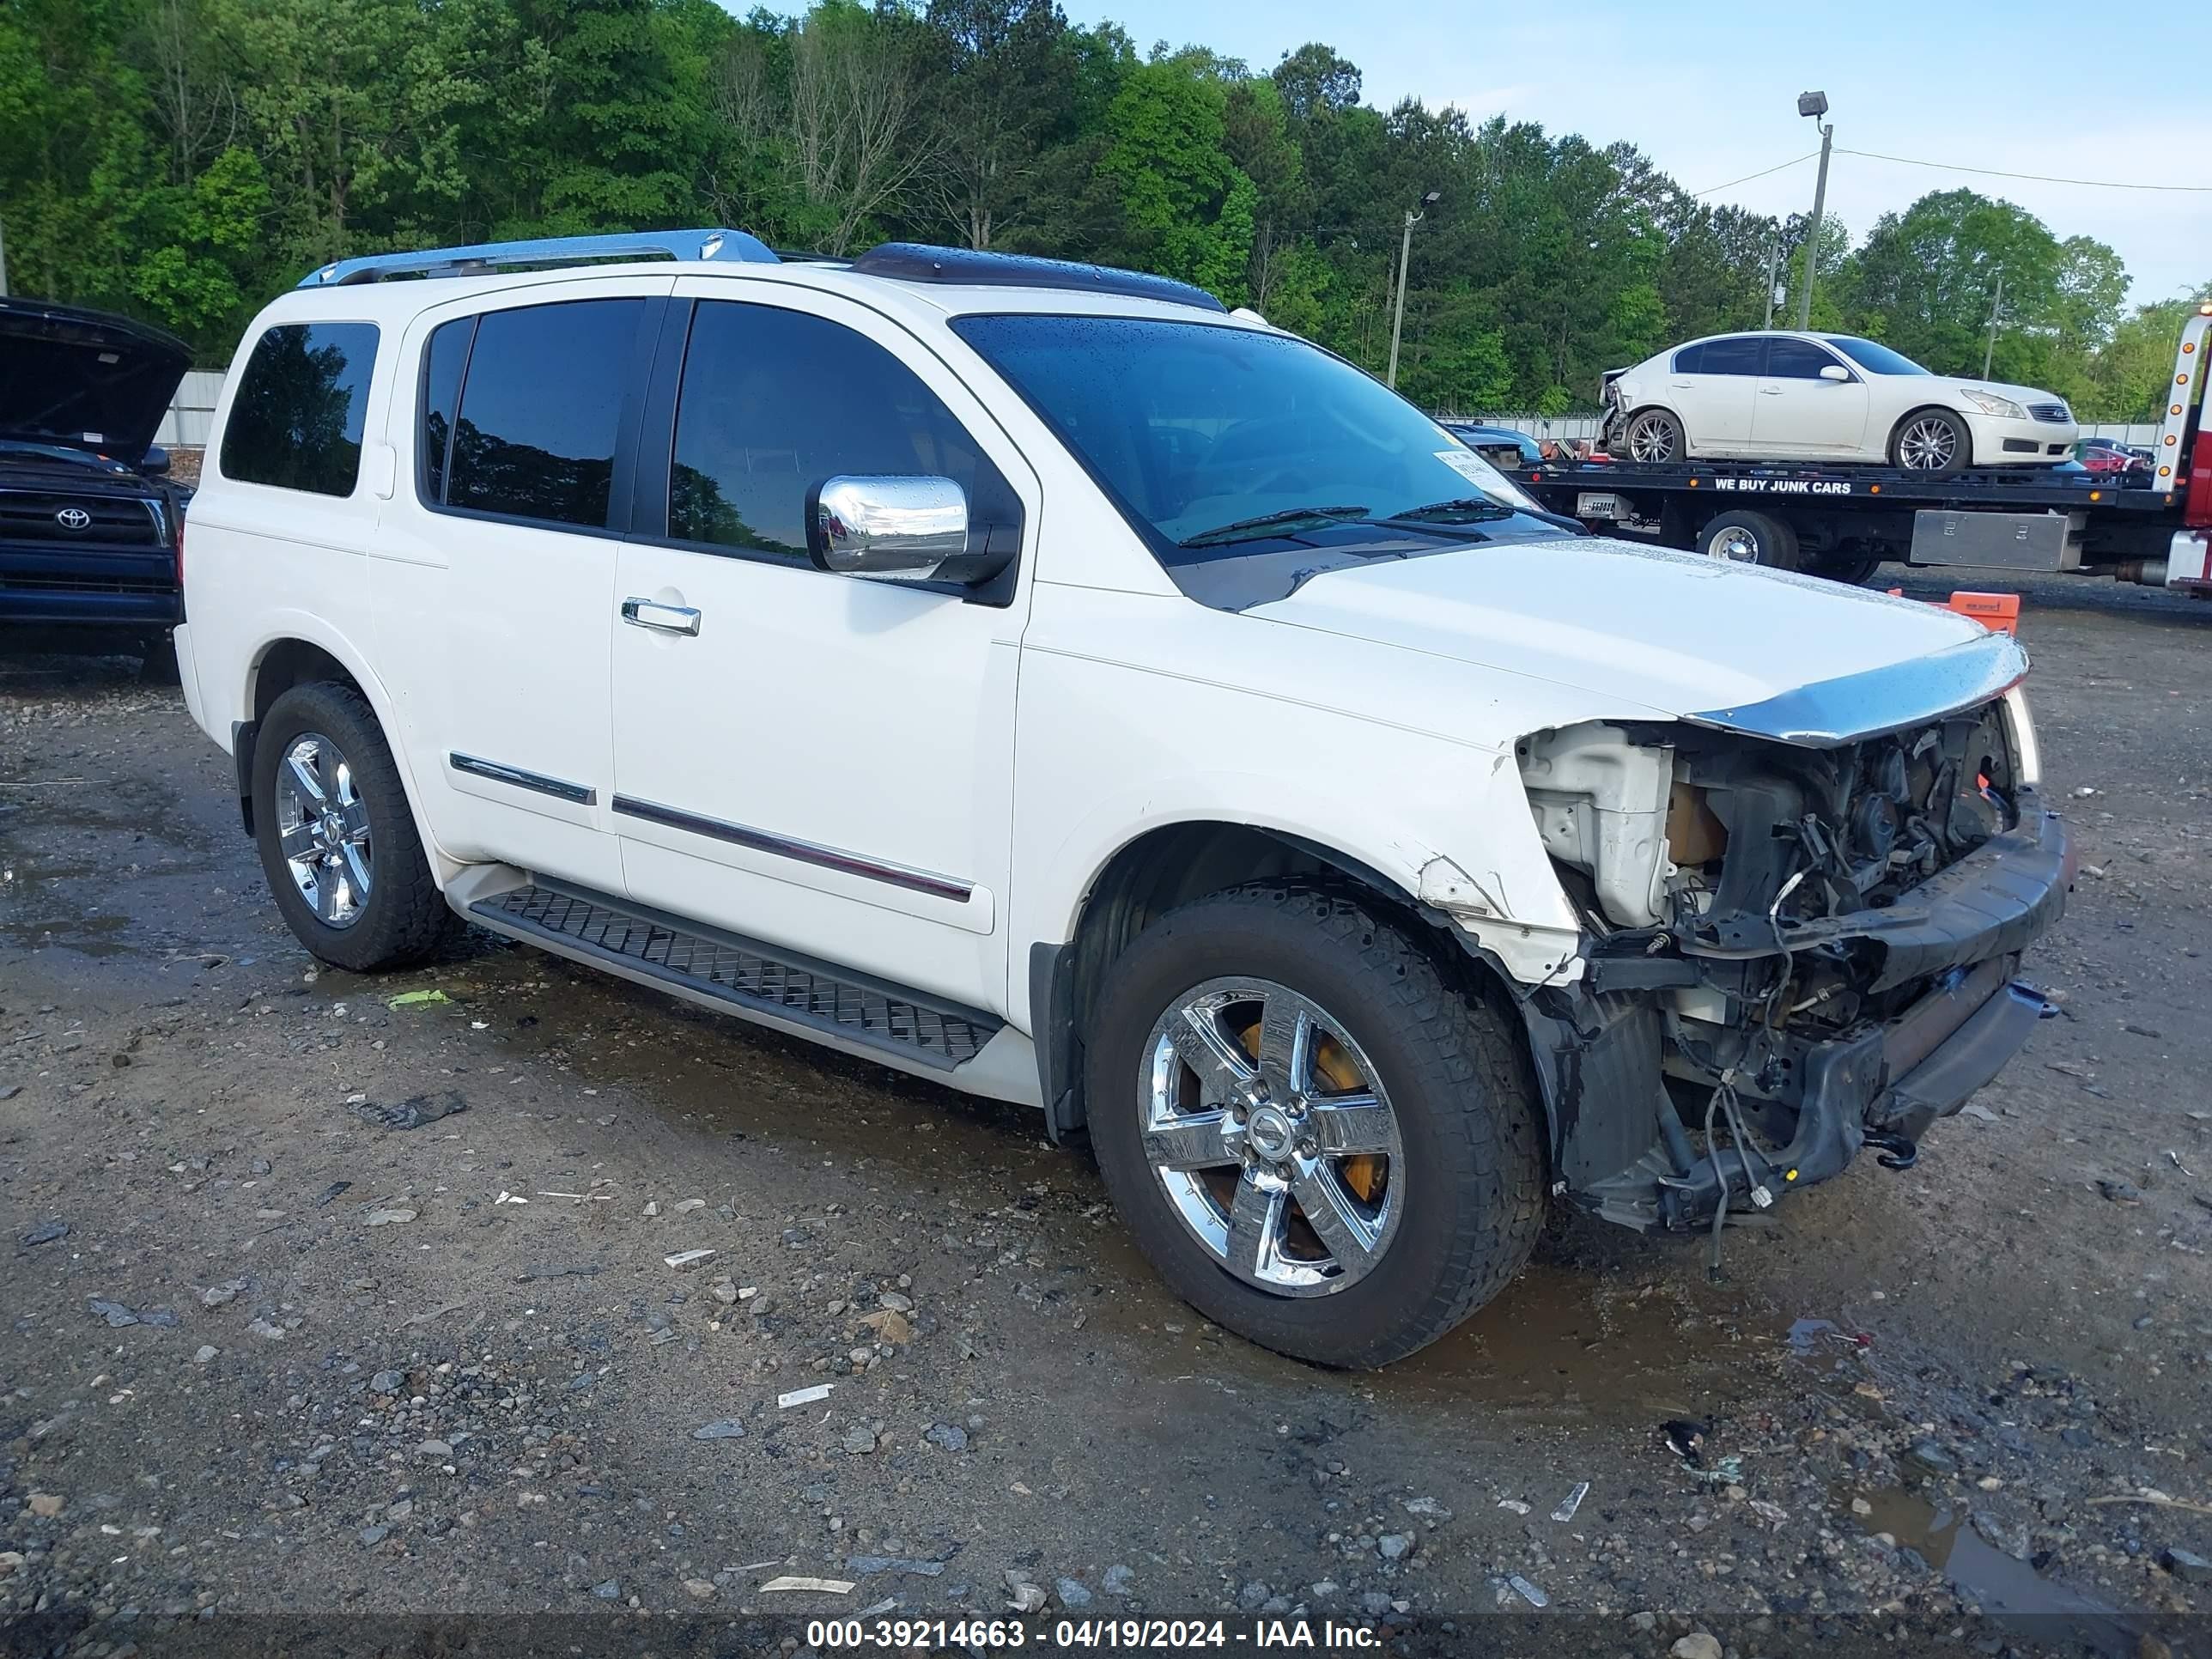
1036,678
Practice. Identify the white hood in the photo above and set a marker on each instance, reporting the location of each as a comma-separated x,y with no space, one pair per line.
1663,633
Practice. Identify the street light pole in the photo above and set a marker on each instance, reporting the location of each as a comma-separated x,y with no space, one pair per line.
1398,317
1997,301
1814,104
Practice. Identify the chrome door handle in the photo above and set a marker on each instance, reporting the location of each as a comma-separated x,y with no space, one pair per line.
661,618
1770,392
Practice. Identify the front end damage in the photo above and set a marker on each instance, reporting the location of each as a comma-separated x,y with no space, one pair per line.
1800,941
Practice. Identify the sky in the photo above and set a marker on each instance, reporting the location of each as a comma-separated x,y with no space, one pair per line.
1710,93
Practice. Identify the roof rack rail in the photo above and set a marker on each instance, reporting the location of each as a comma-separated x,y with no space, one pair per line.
725,247
914,262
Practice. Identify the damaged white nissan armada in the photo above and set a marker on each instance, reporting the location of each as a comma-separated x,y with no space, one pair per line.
1035,677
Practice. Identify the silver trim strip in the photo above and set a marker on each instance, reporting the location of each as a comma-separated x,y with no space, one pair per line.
1879,699
805,852
581,794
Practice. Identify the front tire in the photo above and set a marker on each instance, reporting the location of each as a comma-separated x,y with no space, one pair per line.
337,836
1932,440
1318,1140
1653,437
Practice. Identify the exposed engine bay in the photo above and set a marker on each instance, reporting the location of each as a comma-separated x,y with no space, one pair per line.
1792,950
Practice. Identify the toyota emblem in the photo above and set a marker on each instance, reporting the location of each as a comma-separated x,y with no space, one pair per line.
73,518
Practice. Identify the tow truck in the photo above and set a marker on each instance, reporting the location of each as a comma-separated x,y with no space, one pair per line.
1842,520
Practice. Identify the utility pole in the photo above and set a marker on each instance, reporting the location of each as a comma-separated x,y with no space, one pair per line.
1773,269
1814,104
1997,301
1405,253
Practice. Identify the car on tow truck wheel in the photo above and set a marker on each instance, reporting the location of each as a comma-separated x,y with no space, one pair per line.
1931,440
1318,1138
1653,437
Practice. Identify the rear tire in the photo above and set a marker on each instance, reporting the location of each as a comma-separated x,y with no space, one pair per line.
1460,1197
1747,538
1653,437
1932,440
338,837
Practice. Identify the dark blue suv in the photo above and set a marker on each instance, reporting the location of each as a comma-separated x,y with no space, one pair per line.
90,526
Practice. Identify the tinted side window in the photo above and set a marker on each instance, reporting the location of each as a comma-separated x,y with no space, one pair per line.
1797,360
1739,355
1690,360
447,355
535,437
296,418
775,402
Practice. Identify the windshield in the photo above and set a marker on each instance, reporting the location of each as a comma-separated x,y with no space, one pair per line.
1875,359
1214,438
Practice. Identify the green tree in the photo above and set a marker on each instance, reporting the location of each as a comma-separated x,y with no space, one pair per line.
2132,377
993,66
1187,209
182,160
1926,280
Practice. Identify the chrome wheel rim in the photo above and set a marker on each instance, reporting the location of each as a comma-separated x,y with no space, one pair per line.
1927,444
1271,1136
1735,544
323,830
1651,437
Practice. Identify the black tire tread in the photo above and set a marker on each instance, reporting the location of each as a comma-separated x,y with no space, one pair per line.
1780,537
408,919
1465,1052
1966,458
1682,432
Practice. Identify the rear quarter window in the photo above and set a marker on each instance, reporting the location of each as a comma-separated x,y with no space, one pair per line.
295,419
541,405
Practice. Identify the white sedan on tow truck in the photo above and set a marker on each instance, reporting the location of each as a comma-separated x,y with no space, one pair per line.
1822,398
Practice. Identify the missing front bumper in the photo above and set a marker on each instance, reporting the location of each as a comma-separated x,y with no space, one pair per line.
1622,1150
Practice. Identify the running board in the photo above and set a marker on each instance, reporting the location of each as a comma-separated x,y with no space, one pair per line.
773,987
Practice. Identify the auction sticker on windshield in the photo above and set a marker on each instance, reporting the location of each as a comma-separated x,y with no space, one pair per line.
1485,477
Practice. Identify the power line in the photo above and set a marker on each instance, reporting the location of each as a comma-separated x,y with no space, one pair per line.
1748,177
1954,166
1994,172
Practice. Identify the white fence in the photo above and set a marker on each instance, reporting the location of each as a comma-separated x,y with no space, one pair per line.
192,411
1584,428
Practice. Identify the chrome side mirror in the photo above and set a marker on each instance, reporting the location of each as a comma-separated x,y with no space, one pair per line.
887,527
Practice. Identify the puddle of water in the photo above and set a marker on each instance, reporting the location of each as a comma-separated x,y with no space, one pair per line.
1806,1334
2004,1587
90,936
1562,1341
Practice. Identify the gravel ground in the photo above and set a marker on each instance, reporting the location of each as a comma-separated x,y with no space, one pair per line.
333,1301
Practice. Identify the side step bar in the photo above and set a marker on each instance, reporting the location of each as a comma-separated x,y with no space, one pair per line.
775,987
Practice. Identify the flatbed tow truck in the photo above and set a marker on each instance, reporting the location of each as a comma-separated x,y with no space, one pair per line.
1841,520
